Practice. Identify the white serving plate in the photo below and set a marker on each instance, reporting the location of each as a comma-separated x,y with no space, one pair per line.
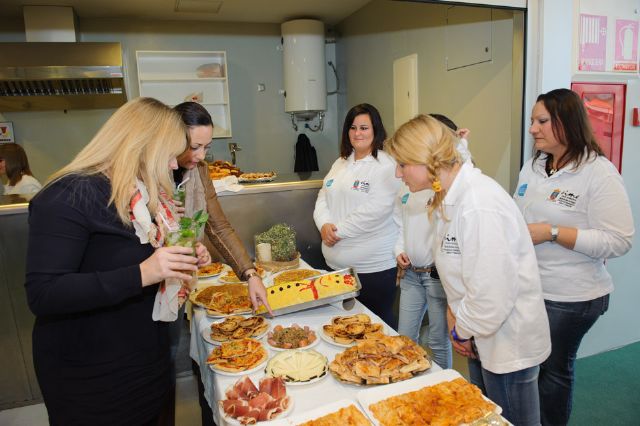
275,348
375,394
316,413
281,417
206,332
241,373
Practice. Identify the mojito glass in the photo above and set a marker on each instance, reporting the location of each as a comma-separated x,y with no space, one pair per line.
185,237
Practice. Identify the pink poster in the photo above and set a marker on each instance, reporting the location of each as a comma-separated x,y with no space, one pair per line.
593,42
626,57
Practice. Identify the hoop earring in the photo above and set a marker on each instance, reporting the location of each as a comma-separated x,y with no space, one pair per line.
436,185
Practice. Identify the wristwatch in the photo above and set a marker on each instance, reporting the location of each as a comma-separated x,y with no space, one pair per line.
554,233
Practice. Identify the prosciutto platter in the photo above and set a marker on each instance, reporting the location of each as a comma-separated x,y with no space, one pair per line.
247,404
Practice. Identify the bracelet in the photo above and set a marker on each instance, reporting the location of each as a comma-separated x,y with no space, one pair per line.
456,337
248,275
554,233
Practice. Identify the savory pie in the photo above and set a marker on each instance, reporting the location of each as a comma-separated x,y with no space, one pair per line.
237,355
345,330
447,403
210,270
347,416
294,275
380,360
237,327
222,299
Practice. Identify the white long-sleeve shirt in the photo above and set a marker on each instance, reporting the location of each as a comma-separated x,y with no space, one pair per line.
26,185
593,200
415,237
358,197
488,267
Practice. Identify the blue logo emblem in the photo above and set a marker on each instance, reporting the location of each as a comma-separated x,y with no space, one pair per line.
329,182
522,190
405,198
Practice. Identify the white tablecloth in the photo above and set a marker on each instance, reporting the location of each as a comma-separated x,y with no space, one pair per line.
305,397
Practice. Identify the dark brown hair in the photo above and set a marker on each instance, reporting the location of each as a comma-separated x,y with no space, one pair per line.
570,125
379,133
15,162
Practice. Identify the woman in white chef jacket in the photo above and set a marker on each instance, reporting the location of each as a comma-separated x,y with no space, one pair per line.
578,214
487,266
15,166
354,210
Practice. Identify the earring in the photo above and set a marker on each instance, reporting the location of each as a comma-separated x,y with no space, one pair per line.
436,185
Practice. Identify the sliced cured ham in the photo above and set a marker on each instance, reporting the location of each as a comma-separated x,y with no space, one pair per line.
248,405
274,386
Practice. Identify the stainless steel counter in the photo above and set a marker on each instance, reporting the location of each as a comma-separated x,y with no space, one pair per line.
286,182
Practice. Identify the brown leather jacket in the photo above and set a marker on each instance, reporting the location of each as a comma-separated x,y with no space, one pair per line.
219,231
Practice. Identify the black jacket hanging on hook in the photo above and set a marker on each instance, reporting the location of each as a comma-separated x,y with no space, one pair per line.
306,158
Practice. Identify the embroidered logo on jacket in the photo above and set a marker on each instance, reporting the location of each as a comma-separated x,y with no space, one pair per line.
329,183
564,198
522,190
360,185
450,244
405,198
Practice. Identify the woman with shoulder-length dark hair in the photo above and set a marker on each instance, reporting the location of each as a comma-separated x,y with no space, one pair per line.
15,166
354,210
577,210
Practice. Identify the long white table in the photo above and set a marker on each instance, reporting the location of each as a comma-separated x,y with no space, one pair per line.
305,397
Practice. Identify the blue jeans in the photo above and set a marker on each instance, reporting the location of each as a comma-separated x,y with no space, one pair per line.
420,294
569,322
515,392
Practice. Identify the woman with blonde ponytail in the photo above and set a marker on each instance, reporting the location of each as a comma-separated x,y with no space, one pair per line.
487,266
92,275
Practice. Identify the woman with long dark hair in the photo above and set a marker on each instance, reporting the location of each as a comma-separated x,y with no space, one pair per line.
577,210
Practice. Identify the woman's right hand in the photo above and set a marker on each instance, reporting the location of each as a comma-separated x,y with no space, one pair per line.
168,262
403,260
328,234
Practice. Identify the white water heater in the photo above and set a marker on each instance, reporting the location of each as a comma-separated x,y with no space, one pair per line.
305,82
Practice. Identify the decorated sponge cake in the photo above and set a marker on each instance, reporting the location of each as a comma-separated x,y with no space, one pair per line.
302,291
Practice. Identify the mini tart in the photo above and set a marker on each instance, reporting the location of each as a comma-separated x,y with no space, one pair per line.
297,366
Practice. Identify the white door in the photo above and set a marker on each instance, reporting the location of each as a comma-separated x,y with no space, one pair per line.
405,89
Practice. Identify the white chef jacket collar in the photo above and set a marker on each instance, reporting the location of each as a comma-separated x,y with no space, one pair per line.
352,157
540,165
457,187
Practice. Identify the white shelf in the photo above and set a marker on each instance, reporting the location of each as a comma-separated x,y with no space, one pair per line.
172,77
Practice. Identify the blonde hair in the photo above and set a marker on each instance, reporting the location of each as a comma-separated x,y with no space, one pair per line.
137,141
425,140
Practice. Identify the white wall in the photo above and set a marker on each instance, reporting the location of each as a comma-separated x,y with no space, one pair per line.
477,97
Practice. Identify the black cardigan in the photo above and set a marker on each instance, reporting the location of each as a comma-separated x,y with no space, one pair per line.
99,357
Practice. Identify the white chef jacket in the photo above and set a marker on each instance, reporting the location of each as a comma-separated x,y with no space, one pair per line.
415,237
593,200
488,268
411,214
27,185
357,197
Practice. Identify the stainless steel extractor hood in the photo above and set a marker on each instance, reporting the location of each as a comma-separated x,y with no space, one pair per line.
60,76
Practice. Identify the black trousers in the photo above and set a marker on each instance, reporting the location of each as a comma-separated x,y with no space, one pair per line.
379,294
